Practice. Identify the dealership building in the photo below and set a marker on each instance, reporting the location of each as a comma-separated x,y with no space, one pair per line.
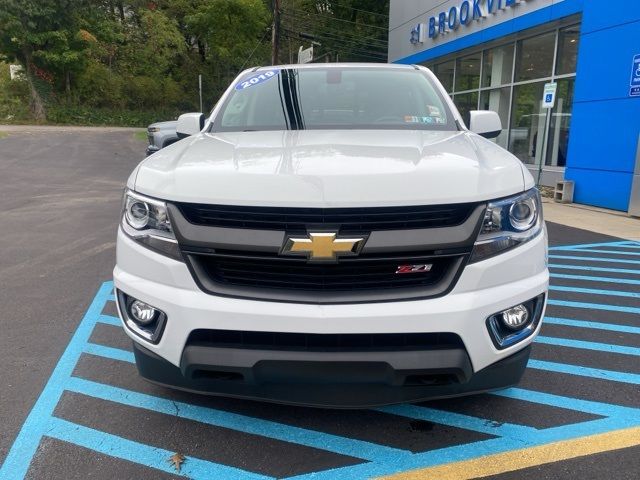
563,75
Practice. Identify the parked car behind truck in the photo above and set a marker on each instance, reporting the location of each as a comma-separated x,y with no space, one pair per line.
333,235
160,135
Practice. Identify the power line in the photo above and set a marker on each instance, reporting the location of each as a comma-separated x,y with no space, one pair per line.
260,42
337,36
350,50
307,17
309,23
368,46
349,44
358,9
332,42
329,17
340,39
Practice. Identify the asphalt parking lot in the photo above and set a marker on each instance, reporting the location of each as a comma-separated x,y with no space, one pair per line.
72,405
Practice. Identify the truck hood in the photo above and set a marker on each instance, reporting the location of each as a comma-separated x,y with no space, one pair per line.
331,168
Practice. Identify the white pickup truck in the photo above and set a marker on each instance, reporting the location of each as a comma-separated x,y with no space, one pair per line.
333,235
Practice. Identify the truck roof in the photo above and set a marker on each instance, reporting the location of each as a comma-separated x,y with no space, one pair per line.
336,65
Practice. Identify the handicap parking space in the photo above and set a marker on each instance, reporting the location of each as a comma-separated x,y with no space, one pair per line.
577,405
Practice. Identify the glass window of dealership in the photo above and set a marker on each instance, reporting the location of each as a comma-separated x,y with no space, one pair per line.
500,54
508,77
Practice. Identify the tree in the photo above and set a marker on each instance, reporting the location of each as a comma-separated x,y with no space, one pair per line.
230,28
43,36
111,61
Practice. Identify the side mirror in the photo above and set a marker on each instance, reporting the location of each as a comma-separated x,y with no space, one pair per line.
189,124
485,123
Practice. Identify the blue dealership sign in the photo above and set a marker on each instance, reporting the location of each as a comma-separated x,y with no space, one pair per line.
463,15
634,91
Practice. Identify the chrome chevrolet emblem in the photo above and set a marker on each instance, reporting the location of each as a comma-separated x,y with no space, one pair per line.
322,246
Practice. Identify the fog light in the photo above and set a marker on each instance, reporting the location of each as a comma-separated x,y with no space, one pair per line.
514,324
141,318
516,317
142,313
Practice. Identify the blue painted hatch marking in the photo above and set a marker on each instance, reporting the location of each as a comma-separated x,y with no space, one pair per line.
379,459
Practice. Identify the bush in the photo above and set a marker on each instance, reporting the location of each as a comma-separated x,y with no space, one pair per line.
97,86
143,92
84,115
172,93
98,100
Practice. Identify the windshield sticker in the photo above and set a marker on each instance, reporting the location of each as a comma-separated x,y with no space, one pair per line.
434,111
414,119
257,79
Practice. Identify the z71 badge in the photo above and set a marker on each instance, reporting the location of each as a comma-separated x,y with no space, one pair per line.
420,268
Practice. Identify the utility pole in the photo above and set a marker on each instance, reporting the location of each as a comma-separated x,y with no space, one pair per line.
275,32
200,91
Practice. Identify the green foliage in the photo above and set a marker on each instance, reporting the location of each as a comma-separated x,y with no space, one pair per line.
82,115
153,47
98,86
218,22
132,62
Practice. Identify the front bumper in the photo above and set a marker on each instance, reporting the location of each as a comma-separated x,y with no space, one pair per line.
483,289
356,380
151,149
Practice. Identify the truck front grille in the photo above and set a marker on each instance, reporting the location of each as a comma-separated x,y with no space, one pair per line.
235,251
272,271
349,219
358,279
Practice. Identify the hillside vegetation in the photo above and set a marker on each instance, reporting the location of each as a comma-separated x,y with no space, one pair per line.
110,62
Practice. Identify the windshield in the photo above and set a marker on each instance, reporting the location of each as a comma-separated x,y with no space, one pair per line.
334,98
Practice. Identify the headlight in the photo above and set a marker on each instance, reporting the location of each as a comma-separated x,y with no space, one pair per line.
153,129
146,221
508,223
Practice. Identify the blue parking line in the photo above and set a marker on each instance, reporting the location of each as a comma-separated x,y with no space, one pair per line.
600,347
380,459
614,376
109,352
24,447
590,278
569,322
590,268
142,454
614,252
242,423
594,306
594,291
459,420
570,403
595,259
417,460
471,450
588,245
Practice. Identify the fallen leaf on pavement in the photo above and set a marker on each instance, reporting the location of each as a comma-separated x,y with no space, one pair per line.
177,459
